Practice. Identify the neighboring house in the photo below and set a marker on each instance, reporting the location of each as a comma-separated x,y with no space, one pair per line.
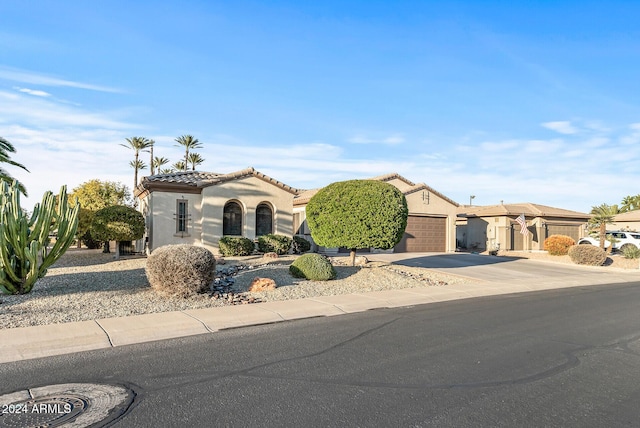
489,226
430,226
629,221
199,208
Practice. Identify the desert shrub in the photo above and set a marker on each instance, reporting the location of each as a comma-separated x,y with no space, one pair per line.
236,246
587,255
312,266
558,245
300,245
630,251
271,243
180,270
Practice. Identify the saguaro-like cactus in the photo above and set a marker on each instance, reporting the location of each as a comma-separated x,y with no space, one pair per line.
24,256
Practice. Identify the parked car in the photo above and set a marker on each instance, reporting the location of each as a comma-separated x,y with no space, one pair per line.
621,240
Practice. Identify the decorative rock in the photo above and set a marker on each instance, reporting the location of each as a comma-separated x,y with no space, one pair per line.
220,260
270,256
262,284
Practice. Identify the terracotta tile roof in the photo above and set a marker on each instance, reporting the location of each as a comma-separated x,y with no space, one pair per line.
189,178
196,179
528,209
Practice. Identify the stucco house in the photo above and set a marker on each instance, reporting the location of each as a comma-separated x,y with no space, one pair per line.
199,208
483,227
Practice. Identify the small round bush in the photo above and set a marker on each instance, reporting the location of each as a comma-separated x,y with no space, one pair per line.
558,245
630,251
271,243
587,255
300,245
180,270
230,246
312,266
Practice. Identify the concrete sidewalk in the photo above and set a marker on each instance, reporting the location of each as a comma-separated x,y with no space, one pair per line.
43,341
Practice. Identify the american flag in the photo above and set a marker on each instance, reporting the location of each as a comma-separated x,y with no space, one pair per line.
523,225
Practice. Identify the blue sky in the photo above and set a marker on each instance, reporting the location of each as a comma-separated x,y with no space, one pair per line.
533,101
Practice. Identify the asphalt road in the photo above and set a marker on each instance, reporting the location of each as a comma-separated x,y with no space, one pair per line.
567,358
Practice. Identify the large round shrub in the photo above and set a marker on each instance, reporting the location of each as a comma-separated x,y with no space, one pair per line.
587,255
180,270
230,246
357,214
558,245
312,266
271,243
300,245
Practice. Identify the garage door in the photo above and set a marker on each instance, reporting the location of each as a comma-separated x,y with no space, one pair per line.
567,230
424,234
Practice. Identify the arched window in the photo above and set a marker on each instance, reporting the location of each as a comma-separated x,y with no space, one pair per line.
264,220
232,219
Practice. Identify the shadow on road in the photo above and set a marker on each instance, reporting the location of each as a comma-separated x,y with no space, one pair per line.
457,260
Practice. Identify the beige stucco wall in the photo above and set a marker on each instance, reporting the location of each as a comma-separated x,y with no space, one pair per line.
161,219
249,192
632,226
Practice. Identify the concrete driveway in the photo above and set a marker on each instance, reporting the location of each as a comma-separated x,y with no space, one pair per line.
495,268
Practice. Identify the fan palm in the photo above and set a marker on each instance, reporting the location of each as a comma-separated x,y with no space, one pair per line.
188,142
137,144
159,162
6,148
195,159
630,203
601,216
179,166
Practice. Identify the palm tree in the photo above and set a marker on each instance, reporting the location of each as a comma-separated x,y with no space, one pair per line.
602,215
189,143
6,148
179,166
158,162
195,159
151,144
630,203
137,144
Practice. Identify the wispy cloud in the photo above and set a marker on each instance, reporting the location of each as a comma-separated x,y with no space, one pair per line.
390,140
23,76
41,111
33,92
563,127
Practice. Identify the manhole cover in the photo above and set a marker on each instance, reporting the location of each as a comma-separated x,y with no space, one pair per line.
66,405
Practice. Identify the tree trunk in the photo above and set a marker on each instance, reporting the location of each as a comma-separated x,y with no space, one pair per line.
353,256
105,248
603,234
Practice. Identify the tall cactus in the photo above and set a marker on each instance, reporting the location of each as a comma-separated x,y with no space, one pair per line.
24,256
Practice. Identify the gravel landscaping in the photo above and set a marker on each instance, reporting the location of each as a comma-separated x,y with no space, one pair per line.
87,285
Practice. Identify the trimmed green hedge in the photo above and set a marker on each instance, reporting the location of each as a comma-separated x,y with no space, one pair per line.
230,246
271,243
